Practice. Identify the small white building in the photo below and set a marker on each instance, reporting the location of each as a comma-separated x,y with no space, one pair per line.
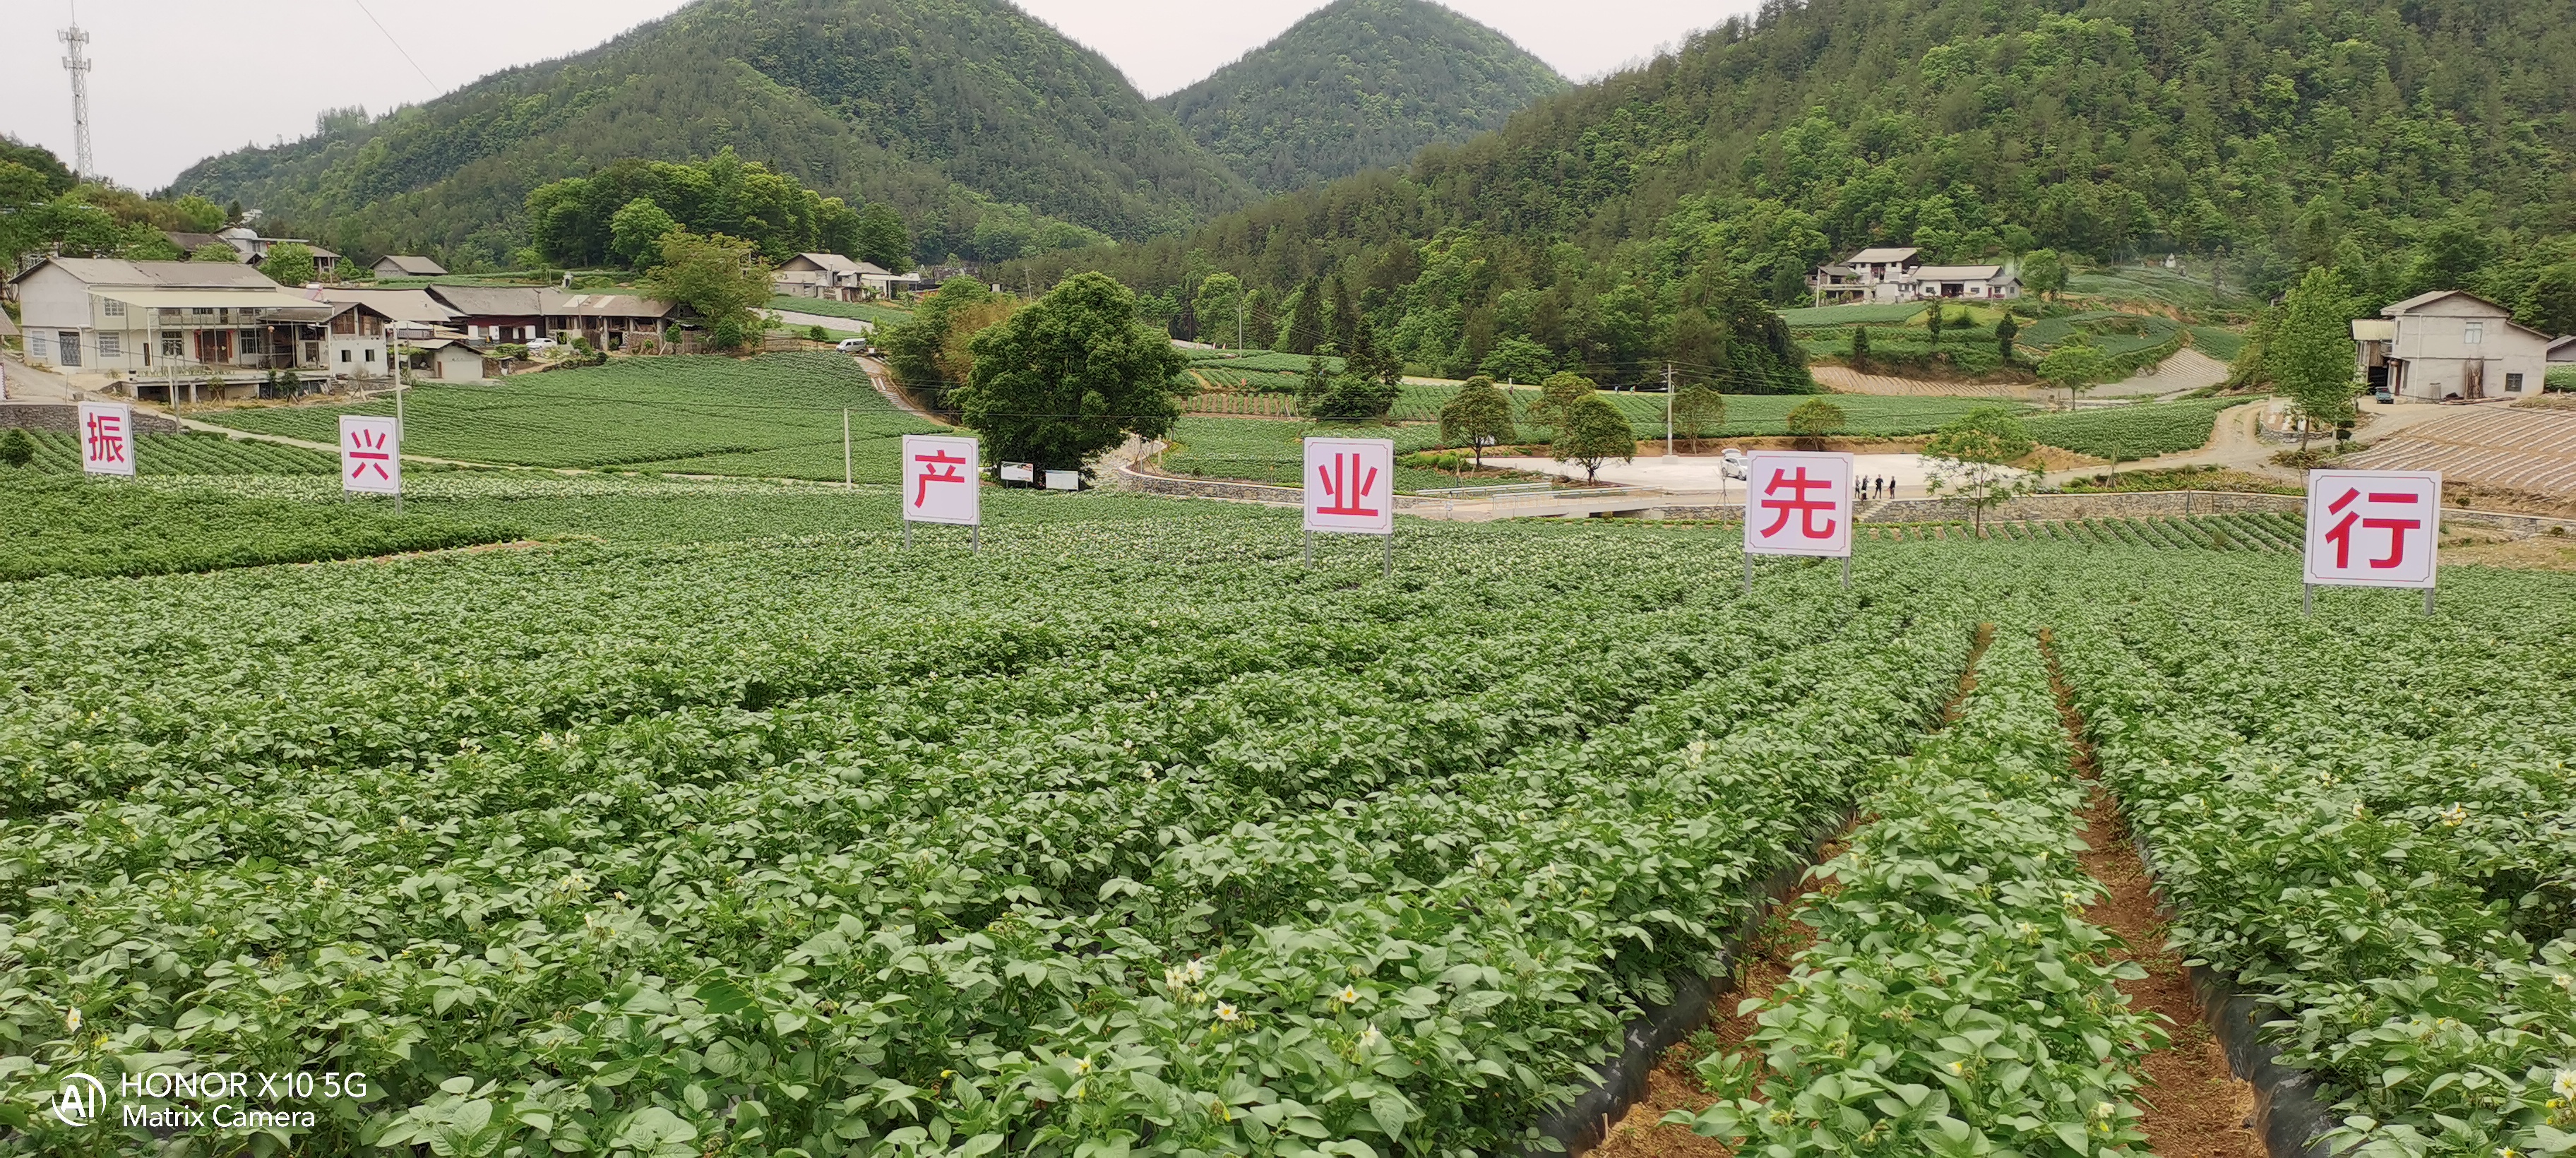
828,276
2450,345
112,318
1889,275
405,265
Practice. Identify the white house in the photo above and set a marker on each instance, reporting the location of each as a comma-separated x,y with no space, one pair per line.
885,283
829,276
2450,344
1899,275
2563,351
404,265
254,248
112,318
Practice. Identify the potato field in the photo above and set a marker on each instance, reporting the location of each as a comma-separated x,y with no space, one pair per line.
719,824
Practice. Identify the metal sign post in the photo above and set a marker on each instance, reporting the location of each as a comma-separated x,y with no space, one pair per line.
2372,528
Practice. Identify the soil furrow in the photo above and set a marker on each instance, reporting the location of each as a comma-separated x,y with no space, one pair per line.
2196,1107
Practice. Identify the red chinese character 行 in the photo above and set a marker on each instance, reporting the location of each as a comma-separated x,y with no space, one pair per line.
106,438
369,454
1346,486
2341,533
943,468
1798,504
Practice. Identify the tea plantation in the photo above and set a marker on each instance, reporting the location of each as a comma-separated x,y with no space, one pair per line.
720,824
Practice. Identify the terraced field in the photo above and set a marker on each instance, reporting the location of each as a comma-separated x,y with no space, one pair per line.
2520,447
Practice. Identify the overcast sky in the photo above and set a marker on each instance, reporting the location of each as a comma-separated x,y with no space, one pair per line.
179,80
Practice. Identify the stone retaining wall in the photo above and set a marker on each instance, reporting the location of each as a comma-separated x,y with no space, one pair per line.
64,418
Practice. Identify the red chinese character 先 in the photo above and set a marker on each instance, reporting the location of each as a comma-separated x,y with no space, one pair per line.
2341,533
1799,504
937,460
106,438
1347,490
370,454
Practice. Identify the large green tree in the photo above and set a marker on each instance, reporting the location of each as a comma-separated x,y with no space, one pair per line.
2074,366
289,264
2308,353
1594,433
1478,415
635,233
724,280
882,238
1070,376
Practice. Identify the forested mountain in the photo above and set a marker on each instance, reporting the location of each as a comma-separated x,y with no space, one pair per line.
967,115
2404,143
1357,85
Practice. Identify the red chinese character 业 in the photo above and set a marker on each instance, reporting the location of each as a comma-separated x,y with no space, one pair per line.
2341,533
369,454
106,438
1798,504
1346,486
938,460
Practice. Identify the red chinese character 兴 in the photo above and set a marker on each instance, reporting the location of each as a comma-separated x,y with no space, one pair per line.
937,459
106,438
370,454
2341,533
1799,504
1347,490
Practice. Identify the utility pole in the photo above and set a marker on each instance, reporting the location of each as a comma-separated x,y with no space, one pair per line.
1669,456
78,64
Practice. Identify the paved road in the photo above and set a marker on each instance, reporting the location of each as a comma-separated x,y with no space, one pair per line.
801,319
27,385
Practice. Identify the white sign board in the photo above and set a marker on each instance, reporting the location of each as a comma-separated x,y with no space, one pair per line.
1064,480
370,455
1018,472
1798,503
1350,485
107,438
2373,528
939,480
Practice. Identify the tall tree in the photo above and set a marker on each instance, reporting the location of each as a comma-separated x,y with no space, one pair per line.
1477,415
2043,272
635,233
1971,461
289,264
724,280
1698,409
2006,329
2549,304
1519,361
1594,433
1557,398
1305,329
1813,420
1219,306
2074,365
2310,356
1070,376
882,238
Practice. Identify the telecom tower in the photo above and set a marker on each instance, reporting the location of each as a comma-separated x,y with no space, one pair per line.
78,64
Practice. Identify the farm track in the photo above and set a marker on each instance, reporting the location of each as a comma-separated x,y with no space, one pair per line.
2196,1106
1641,1132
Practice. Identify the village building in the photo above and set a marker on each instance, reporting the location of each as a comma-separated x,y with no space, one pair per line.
1892,275
403,305
2450,345
114,318
607,321
405,265
828,276
494,313
254,248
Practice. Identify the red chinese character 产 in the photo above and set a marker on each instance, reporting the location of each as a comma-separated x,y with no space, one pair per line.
1346,486
2341,533
369,453
106,438
1798,504
937,459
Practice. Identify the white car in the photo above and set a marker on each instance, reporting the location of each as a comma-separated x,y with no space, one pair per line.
1731,463
540,345
852,346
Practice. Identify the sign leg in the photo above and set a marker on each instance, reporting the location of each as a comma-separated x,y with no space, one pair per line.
1846,572
2308,600
975,539
1310,548
1748,572
2428,601
1390,569
907,534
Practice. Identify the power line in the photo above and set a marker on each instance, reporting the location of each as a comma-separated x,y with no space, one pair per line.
389,39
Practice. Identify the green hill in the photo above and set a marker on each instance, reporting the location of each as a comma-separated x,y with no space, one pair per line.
967,115
1357,85
2408,144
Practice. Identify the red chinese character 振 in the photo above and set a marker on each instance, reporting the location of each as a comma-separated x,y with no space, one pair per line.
937,460
106,438
2341,533
370,454
1346,486
1798,504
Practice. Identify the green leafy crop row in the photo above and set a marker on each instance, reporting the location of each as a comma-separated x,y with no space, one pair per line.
78,527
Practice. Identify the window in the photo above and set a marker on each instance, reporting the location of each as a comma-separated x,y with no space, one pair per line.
115,308
113,346
371,355
2513,383
70,353
38,347
173,346
344,355
254,341
2477,332
202,311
